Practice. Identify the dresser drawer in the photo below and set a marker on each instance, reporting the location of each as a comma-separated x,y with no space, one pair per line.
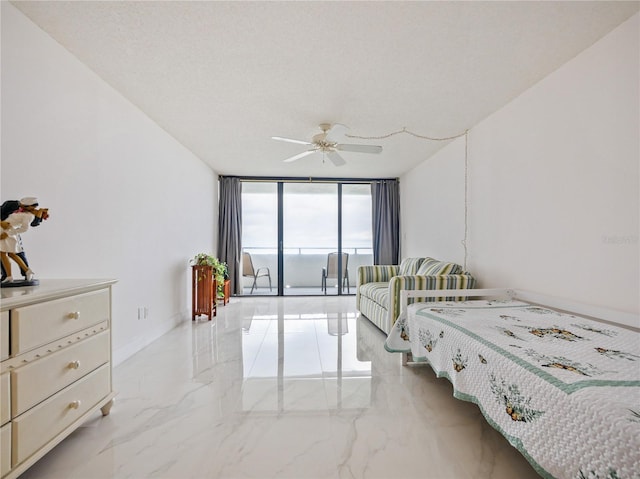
38,324
5,449
40,379
4,335
40,424
5,399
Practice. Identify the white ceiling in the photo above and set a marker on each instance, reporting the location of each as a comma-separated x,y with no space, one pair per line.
224,77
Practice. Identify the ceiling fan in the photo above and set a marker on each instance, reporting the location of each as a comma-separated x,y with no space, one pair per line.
325,143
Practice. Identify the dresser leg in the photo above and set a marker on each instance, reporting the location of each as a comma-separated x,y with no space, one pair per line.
106,409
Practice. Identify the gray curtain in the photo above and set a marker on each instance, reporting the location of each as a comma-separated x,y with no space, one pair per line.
385,197
230,229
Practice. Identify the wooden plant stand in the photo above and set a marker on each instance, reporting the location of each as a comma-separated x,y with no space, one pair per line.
203,292
226,292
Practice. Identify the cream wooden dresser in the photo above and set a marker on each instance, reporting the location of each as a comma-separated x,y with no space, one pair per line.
55,344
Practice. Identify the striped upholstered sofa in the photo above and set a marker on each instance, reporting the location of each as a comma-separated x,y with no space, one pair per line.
378,293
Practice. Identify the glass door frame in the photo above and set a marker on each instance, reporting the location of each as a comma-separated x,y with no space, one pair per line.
280,182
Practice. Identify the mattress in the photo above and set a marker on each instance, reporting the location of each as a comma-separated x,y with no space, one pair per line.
561,388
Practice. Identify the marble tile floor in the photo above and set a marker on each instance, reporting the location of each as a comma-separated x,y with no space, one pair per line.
281,388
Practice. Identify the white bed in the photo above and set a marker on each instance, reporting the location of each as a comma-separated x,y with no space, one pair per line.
563,388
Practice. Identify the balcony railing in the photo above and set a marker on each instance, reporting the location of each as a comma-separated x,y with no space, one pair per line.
303,265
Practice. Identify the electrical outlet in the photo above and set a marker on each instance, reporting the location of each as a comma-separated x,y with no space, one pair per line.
140,313
146,312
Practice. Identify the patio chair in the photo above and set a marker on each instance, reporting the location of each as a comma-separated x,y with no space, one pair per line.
331,271
249,271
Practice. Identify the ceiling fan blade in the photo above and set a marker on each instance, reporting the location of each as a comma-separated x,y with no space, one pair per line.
299,155
290,140
360,148
335,158
336,132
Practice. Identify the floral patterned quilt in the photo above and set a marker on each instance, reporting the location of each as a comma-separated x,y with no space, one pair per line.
563,389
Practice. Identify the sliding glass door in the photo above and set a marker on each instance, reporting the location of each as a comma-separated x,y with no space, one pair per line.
357,233
309,236
259,238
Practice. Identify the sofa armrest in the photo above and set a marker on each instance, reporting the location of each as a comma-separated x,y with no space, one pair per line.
374,274
444,282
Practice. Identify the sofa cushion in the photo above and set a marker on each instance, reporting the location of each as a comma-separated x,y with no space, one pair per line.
409,266
377,292
438,268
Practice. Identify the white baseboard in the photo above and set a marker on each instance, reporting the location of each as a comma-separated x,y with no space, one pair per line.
123,353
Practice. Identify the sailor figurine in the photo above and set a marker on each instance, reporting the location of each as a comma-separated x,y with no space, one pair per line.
17,216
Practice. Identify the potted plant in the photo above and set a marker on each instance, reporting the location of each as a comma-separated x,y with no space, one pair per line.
220,271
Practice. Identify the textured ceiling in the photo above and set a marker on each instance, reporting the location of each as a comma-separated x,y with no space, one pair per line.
224,77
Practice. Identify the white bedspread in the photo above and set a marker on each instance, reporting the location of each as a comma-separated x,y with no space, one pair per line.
563,389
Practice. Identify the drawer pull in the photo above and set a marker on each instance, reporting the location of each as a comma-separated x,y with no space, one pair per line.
74,315
74,364
74,404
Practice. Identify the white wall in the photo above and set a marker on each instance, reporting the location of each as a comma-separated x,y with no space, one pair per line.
127,201
553,184
432,206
